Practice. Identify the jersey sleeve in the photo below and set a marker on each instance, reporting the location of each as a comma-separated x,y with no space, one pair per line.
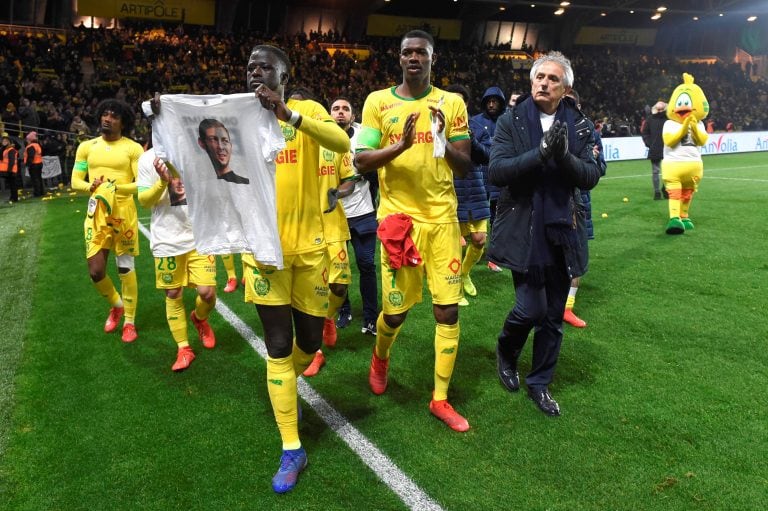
370,132
80,168
456,119
344,164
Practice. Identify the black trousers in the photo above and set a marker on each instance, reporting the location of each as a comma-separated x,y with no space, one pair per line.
12,182
537,308
36,174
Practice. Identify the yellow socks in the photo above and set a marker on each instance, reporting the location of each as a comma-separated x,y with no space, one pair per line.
446,347
229,266
571,301
385,337
176,315
471,257
300,358
130,288
106,288
281,384
202,308
334,303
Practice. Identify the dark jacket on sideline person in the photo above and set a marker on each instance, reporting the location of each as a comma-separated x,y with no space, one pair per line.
483,127
516,166
651,134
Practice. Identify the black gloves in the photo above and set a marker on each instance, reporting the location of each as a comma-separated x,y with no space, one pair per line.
561,142
548,141
333,199
554,143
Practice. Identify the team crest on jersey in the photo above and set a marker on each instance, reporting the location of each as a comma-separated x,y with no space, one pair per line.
327,155
395,298
262,286
394,120
289,132
167,278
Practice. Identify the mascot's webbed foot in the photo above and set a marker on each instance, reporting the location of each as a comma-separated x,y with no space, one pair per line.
687,223
675,226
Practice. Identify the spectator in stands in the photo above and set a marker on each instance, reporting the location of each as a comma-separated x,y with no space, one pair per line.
651,133
28,115
10,117
78,125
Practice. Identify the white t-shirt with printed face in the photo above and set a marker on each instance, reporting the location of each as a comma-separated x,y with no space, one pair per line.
170,228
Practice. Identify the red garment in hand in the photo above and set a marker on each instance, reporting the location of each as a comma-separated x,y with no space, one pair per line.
395,235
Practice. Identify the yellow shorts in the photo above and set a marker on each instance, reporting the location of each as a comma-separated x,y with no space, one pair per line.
468,228
302,283
190,269
118,232
339,263
682,174
438,245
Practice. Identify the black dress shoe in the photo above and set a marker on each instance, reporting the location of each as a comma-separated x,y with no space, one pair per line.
507,370
544,401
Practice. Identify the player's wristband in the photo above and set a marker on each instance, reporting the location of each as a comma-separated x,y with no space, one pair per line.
295,116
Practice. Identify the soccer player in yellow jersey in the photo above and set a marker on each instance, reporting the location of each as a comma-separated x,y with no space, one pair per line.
295,297
398,138
112,160
337,177
177,263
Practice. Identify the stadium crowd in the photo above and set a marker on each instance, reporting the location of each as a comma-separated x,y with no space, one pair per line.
45,86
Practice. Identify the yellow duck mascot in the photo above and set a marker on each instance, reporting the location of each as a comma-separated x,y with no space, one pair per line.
684,134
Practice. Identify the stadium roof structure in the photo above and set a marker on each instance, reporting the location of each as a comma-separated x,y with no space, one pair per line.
628,12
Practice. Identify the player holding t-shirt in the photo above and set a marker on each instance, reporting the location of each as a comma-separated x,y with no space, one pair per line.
398,138
297,295
337,178
112,159
177,263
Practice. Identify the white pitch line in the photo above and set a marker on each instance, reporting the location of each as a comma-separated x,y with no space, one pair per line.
409,492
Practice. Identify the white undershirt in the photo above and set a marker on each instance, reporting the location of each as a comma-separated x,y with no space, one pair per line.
546,121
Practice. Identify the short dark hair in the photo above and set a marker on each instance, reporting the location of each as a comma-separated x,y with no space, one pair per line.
344,98
304,92
120,109
205,124
277,52
418,34
459,89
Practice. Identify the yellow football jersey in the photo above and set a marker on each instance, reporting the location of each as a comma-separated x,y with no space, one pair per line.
334,169
415,183
299,217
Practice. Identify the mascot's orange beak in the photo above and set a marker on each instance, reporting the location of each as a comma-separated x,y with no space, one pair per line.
683,111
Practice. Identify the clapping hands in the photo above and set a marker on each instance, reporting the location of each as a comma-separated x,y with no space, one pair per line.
554,143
